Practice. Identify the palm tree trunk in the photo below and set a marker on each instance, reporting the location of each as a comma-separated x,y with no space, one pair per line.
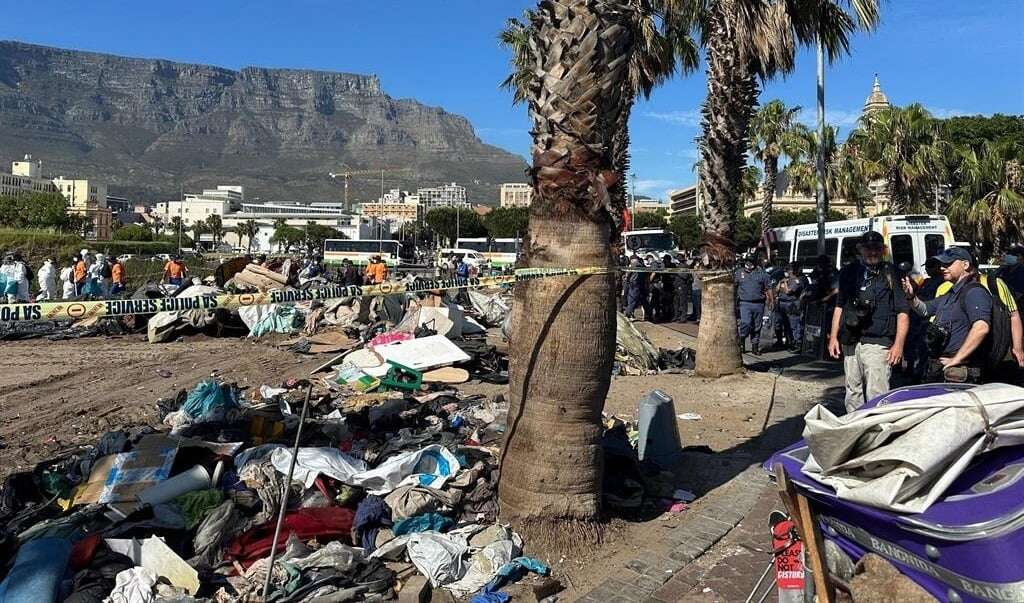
771,167
564,329
728,108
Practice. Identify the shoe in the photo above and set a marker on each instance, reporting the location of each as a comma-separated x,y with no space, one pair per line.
756,349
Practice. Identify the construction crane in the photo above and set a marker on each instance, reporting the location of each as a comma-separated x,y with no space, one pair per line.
347,174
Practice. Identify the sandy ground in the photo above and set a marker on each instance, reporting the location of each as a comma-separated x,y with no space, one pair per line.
57,395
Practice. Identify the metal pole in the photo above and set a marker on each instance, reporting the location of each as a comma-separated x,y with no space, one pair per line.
458,217
821,201
632,182
181,208
380,225
285,491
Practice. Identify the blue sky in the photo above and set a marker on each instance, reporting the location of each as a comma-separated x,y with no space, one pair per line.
953,56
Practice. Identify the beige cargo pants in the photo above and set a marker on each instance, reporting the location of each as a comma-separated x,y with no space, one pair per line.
867,373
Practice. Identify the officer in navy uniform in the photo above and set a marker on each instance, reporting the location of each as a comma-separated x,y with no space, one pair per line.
963,319
791,287
753,290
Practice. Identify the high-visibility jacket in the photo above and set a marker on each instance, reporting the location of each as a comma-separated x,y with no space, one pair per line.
377,273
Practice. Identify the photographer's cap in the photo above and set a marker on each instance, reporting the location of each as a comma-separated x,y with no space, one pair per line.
871,238
952,254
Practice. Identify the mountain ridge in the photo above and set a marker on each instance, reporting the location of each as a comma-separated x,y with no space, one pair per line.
151,127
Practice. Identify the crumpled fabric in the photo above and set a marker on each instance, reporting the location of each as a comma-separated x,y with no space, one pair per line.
430,467
371,515
133,585
256,453
94,582
262,477
208,401
38,568
278,319
328,523
437,556
903,456
428,522
514,570
409,501
490,597
485,563
195,505
311,462
335,555
213,532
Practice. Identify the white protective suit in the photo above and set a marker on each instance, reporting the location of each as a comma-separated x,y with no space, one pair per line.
67,282
13,272
47,278
23,295
96,274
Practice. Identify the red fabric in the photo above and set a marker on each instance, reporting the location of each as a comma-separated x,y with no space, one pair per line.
82,552
324,524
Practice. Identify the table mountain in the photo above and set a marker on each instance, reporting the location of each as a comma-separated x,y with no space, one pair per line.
149,127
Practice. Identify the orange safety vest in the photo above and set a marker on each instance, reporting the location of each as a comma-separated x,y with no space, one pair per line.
117,274
377,273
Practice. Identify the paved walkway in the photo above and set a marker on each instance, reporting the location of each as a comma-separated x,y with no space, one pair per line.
720,551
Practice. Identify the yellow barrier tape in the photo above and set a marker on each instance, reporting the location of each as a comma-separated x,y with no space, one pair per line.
77,310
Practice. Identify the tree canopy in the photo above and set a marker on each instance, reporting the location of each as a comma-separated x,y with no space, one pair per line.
36,210
507,222
133,232
447,220
972,131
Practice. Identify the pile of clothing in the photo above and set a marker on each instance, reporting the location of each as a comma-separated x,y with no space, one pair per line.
388,482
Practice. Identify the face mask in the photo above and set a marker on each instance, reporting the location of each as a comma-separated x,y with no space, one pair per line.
1010,260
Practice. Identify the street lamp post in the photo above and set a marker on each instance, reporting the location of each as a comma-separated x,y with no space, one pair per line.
820,159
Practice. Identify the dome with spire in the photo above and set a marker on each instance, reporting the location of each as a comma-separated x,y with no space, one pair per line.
877,100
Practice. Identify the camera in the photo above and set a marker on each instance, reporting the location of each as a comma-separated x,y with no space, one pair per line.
937,337
858,312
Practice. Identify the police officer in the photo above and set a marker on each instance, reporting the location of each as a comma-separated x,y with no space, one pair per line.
683,285
792,287
753,290
963,319
869,323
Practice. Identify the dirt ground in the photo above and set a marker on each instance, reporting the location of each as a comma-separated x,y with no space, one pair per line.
57,395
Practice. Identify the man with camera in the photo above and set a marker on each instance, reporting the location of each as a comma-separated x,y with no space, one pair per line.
869,323
963,320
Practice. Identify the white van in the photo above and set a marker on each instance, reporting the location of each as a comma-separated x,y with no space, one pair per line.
908,238
470,256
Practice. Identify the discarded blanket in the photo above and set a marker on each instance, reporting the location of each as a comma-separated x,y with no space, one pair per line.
326,523
903,456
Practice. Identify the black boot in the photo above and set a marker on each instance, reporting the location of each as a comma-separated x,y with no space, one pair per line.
756,349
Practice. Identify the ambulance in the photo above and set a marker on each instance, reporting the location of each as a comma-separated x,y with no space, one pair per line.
909,240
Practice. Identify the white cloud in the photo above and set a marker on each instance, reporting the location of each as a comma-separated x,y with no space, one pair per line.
691,153
655,188
841,118
688,117
947,113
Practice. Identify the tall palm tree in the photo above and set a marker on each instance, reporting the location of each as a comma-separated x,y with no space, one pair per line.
663,46
774,132
845,171
990,198
551,461
250,229
903,147
744,41
215,226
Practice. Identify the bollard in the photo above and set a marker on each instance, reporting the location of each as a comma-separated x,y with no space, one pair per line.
656,421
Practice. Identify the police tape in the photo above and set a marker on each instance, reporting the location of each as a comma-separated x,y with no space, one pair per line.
79,310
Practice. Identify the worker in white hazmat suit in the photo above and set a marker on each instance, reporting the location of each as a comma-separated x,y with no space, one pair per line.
47,277
12,273
67,279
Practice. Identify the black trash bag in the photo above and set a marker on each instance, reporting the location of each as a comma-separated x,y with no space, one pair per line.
683,358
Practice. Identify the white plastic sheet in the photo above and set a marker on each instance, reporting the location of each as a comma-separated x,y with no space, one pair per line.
430,467
311,462
904,456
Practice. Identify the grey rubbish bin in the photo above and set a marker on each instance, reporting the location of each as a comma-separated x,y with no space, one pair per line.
656,422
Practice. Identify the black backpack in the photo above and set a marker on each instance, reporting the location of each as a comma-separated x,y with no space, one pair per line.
996,346
105,271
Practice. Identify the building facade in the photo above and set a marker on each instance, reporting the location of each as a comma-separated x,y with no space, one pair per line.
446,195
650,206
87,198
515,194
683,201
26,177
197,207
396,213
